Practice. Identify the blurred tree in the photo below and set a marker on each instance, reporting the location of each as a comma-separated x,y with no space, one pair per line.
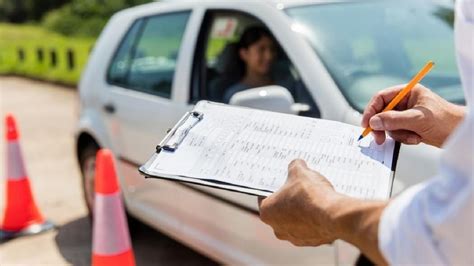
13,11
18,11
85,17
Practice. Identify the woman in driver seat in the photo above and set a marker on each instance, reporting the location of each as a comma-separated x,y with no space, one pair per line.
257,52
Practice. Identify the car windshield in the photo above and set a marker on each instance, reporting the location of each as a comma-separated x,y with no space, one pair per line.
368,46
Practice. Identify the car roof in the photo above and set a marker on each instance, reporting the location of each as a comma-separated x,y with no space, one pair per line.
280,4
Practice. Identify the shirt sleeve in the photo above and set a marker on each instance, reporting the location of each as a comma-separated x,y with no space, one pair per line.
430,224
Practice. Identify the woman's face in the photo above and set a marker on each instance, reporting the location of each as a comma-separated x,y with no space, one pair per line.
259,56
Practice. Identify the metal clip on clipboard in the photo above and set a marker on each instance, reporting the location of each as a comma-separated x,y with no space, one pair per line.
177,134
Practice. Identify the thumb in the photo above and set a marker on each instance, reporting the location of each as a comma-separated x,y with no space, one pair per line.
396,120
260,199
296,168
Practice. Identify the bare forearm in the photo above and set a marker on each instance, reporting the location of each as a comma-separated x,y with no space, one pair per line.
357,222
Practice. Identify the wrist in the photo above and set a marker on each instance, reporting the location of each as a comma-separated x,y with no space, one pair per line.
456,114
356,221
342,212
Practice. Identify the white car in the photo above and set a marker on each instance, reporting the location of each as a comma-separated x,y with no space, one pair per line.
153,62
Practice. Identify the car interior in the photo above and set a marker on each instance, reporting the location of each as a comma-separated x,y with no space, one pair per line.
219,40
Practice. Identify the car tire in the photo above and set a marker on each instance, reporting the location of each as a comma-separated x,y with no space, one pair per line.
87,164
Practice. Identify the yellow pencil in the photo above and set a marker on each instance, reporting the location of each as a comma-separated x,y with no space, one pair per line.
416,79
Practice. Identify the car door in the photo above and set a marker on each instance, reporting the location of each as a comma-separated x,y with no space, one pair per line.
212,71
140,104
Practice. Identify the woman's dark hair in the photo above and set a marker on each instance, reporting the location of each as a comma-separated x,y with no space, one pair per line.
250,36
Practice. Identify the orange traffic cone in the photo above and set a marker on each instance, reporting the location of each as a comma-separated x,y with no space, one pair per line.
21,216
110,239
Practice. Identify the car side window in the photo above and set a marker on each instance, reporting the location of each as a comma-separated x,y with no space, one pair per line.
119,67
151,60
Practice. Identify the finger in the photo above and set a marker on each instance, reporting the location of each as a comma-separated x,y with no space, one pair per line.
396,120
269,211
297,243
260,200
295,168
379,136
378,103
263,210
297,163
298,168
280,235
307,243
405,137
264,216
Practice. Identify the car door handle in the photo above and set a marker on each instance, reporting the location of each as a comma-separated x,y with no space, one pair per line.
109,108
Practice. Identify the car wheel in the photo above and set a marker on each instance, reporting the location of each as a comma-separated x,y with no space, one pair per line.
87,164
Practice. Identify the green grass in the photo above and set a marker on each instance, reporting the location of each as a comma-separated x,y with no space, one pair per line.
30,39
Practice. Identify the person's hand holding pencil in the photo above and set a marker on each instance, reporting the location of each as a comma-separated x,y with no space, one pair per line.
419,116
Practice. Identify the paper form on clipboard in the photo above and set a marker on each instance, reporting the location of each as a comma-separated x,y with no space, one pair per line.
248,150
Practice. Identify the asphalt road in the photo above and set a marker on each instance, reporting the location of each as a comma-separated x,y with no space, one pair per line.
46,115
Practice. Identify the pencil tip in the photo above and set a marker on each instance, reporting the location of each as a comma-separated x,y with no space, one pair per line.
360,137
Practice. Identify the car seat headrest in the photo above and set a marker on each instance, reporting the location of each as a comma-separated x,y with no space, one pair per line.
227,61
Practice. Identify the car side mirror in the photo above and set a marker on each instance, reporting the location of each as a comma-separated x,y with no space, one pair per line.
272,98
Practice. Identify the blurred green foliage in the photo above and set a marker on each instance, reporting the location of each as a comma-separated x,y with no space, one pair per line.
84,18
55,43
35,52
19,11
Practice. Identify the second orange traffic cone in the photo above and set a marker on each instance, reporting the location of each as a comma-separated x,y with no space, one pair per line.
110,239
21,215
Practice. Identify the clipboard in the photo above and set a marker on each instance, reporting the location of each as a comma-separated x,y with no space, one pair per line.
173,138
178,133
171,142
